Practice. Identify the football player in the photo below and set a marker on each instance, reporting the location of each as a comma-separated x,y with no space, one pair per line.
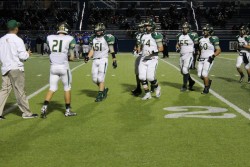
59,66
102,44
243,48
85,44
209,49
150,45
77,46
186,42
137,91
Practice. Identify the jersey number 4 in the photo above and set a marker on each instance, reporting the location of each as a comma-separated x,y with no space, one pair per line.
57,46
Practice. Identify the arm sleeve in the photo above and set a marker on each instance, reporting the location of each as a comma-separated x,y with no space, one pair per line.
72,44
21,50
216,42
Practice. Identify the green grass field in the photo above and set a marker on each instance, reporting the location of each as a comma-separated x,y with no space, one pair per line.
180,129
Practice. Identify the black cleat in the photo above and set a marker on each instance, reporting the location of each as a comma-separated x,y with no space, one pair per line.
205,91
137,92
99,97
191,84
183,89
2,118
105,93
241,78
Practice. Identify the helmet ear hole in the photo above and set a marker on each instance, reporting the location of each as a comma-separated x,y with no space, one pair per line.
63,28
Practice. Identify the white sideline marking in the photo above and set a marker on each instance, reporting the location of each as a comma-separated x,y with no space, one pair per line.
236,108
37,92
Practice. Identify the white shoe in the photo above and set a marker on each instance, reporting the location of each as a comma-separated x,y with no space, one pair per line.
158,91
147,96
43,111
69,113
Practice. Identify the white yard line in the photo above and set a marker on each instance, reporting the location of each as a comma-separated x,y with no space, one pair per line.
227,58
236,108
37,92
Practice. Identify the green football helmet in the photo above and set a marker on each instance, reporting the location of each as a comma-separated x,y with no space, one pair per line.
149,26
244,30
208,30
140,26
99,29
186,27
63,28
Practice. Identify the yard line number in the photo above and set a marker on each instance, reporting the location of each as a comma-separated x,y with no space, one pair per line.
198,112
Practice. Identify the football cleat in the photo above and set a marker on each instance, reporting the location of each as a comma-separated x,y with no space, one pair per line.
105,93
29,116
158,91
99,97
2,118
147,96
205,91
137,92
190,86
69,113
241,78
43,111
183,88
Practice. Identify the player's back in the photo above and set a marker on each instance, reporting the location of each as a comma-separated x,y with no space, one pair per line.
59,46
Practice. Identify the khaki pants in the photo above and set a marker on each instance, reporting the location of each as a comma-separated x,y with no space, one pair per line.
14,79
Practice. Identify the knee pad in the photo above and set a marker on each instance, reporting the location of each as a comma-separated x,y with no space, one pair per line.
100,78
67,88
247,66
94,80
184,70
53,88
204,73
142,78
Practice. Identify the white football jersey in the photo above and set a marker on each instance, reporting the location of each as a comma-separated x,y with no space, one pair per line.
100,47
186,44
148,44
243,41
59,46
207,48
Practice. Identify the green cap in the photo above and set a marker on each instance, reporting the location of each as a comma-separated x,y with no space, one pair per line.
12,24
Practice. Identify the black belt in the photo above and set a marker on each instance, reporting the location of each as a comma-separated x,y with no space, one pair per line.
202,59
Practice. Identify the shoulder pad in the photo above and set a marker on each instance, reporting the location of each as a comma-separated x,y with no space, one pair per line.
109,38
214,40
156,35
91,39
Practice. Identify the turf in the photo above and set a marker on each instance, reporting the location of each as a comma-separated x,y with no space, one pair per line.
123,130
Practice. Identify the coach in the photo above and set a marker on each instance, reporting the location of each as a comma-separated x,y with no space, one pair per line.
12,55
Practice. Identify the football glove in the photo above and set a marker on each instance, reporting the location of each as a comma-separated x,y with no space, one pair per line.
178,50
114,64
211,59
86,59
241,44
